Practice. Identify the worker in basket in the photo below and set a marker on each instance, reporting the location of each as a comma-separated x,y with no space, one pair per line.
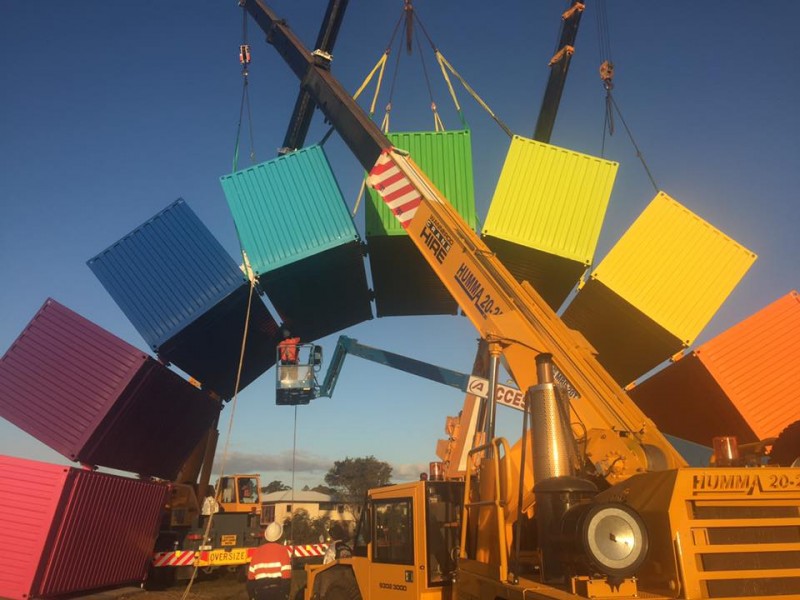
287,354
270,573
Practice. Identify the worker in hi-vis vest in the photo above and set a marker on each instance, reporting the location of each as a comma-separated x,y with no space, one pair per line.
270,573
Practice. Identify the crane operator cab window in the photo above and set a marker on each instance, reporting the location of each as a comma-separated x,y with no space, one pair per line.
248,490
393,536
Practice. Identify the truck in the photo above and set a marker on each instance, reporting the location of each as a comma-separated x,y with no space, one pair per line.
187,540
592,501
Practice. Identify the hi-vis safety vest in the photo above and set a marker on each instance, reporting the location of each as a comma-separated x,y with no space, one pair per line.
272,561
288,350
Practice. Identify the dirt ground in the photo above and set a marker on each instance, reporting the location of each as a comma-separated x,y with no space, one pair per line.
217,586
223,587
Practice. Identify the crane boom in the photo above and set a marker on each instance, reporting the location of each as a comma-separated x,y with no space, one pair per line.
559,67
504,311
304,106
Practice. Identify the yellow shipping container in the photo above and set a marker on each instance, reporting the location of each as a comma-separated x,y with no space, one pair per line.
669,273
546,214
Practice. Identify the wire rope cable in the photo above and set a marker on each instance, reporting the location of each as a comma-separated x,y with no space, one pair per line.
244,104
228,435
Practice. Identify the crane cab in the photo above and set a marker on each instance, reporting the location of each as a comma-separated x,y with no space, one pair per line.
406,545
239,494
296,374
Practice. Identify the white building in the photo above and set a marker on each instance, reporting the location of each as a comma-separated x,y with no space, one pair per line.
278,506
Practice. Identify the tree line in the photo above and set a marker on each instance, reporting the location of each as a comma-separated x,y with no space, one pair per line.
347,482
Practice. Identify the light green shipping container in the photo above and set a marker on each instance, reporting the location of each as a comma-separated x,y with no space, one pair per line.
446,158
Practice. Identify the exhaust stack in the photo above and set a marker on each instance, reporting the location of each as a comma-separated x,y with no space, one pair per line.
556,487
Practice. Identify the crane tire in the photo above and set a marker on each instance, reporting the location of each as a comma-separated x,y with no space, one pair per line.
786,449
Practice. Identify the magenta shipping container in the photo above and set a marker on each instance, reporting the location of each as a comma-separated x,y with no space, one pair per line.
68,530
96,399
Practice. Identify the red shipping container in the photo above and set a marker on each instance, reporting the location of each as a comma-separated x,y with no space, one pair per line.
96,399
744,382
67,530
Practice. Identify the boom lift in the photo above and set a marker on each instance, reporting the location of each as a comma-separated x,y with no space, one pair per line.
607,507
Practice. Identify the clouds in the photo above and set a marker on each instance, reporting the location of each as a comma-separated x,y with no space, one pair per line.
247,462
307,464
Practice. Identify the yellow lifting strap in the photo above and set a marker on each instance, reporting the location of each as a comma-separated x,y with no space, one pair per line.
381,67
443,63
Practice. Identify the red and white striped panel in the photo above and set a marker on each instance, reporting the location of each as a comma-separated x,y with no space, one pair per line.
309,550
179,558
395,188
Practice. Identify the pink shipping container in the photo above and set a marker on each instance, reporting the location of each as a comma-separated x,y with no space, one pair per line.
744,382
67,530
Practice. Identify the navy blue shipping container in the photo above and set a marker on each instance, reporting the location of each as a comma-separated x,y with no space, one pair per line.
96,399
188,299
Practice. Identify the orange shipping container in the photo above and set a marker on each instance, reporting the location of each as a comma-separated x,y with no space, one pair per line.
744,382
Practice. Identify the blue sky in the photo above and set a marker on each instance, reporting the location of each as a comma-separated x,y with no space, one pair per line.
110,111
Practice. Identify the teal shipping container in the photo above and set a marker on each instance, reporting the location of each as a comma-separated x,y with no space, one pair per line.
188,299
300,239
404,283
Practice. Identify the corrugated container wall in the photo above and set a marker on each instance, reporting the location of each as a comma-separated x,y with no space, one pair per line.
30,493
96,399
403,281
117,518
69,530
546,214
657,288
300,239
446,158
166,273
188,299
744,382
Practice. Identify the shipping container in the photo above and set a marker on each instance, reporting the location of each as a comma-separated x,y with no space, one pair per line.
446,159
300,239
188,299
657,288
546,214
96,399
403,282
68,530
744,382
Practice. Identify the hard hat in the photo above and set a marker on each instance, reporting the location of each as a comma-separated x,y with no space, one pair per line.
273,532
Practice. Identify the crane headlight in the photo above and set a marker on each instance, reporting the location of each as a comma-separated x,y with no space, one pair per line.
614,538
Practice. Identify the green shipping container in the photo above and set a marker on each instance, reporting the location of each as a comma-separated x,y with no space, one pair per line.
301,241
404,284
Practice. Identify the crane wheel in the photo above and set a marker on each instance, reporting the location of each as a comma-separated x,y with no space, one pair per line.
786,449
